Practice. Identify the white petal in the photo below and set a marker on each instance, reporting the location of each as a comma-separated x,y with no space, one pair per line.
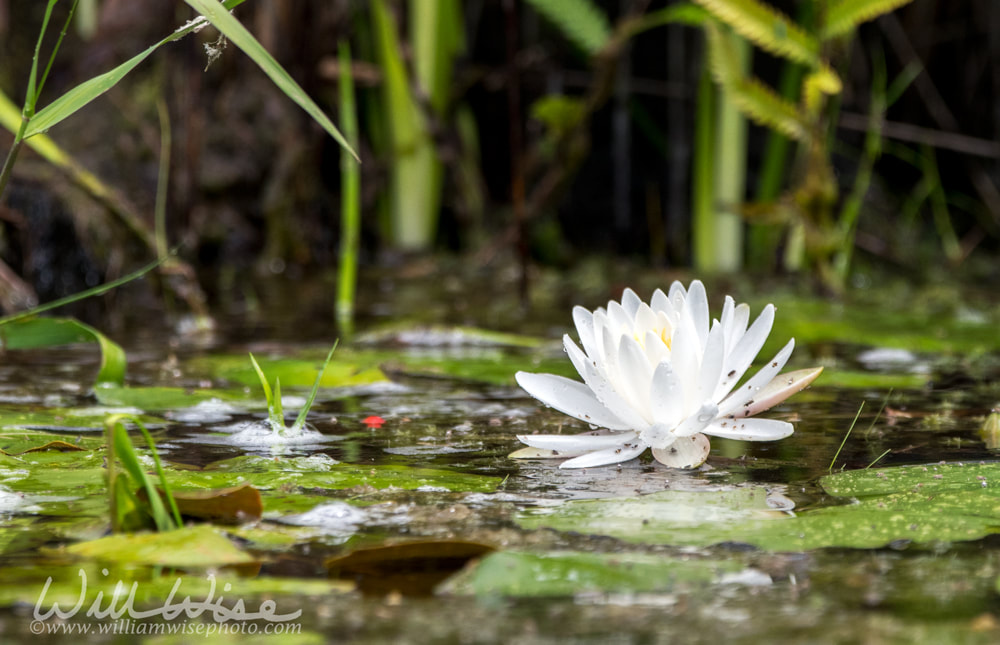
726,319
605,457
666,396
685,355
742,355
741,316
745,395
677,295
750,429
711,364
577,444
779,389
698,421
603,390
644,318
656,350
659,436
686,452
569,397
584,321
660,302
601,323
537,453
620,320
636,375
630,302
696,307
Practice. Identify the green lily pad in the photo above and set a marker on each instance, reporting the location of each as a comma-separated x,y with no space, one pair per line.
169,398
512,573
920,504
23,585
292,372
17,442
325,473
192,546
70,419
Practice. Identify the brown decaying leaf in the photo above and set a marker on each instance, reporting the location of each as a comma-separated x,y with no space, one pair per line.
409,568
233,505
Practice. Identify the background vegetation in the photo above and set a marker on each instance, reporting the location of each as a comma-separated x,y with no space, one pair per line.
512,134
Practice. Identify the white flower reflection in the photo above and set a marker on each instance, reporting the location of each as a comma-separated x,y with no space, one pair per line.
661,376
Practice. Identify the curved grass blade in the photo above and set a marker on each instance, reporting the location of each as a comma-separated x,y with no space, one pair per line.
300,421
75,99
231,28
52,332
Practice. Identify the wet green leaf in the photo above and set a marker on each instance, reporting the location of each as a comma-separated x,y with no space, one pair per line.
52,332
292,372
169,398
24,585
564,573
191,546
921,504
324,473
67,419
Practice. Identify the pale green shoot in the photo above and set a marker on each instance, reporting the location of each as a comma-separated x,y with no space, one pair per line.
275,413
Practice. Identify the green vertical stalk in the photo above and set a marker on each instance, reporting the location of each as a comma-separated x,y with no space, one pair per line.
730,175
350,198
703,181
410,188
163,178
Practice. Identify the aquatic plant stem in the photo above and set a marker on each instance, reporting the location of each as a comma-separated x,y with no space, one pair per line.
350,198
879,458
162,178
842,443
95,291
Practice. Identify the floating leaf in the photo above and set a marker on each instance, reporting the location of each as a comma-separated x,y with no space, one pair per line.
921,504
560,573
191,546
410,568
232,505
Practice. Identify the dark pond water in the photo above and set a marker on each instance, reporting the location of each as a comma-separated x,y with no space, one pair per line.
636,553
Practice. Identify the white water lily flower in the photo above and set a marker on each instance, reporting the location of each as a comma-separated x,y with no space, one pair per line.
660,376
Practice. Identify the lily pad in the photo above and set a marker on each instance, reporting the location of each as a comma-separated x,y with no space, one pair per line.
193,546
95,582
292,372
568,573
920,504
322,472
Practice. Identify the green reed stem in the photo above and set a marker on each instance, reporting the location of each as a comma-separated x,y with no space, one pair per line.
350,198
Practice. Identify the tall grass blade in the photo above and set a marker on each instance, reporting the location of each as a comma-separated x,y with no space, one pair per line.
581,21
78,97
300,421
350,198
844,442
229,26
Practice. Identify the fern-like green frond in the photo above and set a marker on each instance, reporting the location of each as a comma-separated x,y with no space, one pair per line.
759,102
843,16
580,21
767,28
764,106
822,82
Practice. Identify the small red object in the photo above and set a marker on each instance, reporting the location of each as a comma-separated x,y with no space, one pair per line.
374,422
